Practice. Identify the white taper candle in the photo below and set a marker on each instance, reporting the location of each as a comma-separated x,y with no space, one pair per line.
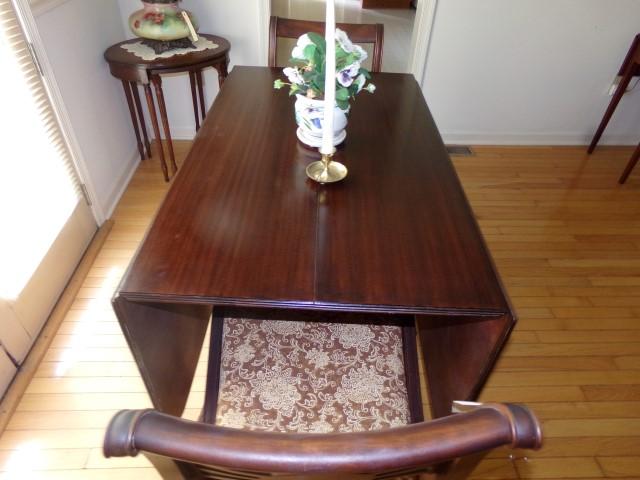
329,80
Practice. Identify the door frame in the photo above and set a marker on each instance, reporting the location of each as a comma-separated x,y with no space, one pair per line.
420,39
33,36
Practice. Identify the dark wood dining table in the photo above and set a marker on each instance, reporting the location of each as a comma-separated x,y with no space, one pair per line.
242,225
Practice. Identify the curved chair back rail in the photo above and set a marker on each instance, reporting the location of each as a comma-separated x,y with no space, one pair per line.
416,445
358,33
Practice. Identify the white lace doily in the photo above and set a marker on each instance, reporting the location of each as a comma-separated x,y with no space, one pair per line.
148,54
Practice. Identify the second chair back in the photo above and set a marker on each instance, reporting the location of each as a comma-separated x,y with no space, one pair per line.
358,33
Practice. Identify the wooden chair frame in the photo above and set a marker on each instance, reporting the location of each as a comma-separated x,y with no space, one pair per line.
455,443
358,33
630,68
450,447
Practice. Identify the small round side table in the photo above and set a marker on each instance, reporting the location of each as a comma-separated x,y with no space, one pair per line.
133,70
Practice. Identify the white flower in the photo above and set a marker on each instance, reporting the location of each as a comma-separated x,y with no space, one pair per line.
353,335
277,390
298,50
318,357
361,53
395,364
283,327
232,419
346,75
244,353
320,426
293,75
344,42
360,81
370,88
362,385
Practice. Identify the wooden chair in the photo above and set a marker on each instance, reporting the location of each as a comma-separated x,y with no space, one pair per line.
323,398
358,33
630,68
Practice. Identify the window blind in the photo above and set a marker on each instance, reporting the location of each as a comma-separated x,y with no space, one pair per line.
39,186
16,42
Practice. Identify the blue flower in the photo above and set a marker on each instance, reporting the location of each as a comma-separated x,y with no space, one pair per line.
348,74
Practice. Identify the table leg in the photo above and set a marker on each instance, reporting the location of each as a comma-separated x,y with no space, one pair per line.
201,92
156,129
194,99
157,83
458,355
622,88
222,71
134,120
143,124
632,163
166,341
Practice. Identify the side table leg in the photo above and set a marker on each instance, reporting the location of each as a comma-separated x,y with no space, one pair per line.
198,74
156,129
222,71
157,83
622,88
143,124
194,99
632,163
134,120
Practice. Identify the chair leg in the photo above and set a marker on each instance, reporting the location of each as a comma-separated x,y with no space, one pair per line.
632,163
617,96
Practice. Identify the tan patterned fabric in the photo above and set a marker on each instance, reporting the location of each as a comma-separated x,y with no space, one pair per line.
311,377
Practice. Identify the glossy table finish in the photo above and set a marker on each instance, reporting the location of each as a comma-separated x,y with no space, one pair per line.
243,226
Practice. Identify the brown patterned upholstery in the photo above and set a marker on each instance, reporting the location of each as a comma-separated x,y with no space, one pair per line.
315,377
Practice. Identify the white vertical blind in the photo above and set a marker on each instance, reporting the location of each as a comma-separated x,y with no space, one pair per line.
39,187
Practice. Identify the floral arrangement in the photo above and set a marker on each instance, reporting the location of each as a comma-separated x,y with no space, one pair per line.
307,76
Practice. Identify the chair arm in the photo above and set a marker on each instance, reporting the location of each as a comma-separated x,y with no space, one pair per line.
421,444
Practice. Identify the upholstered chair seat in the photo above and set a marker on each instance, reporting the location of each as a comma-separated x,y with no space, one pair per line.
311,372
311,377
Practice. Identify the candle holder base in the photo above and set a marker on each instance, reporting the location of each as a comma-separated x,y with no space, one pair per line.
326,170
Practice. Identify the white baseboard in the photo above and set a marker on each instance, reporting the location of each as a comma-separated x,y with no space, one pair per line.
461,138
183,133
122,183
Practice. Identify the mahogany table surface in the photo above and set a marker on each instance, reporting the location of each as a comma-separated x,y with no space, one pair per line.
242,225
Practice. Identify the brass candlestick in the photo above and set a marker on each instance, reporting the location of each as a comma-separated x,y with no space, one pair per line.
326,170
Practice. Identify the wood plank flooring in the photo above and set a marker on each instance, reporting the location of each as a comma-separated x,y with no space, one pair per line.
566,239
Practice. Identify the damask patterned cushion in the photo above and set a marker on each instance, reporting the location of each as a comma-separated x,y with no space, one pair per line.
311,377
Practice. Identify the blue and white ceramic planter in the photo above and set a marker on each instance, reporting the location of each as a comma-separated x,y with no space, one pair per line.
310,119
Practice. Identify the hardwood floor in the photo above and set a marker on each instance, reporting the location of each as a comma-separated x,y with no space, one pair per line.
566,239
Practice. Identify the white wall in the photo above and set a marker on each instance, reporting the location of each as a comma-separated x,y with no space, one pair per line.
75,34
237,21
530,71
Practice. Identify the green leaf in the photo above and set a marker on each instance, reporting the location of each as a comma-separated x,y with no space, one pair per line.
342,94
309,52
342,104
318,41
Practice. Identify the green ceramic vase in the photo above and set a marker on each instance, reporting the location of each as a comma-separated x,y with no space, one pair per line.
160,21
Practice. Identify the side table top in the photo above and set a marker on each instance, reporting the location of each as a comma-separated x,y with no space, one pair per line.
117,54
